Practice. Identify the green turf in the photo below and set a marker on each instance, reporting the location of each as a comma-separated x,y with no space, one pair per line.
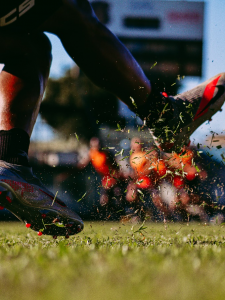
112,261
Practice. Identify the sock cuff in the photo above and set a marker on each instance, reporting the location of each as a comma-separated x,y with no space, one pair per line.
14,145
16,136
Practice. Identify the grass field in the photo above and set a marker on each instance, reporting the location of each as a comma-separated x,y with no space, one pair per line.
114,261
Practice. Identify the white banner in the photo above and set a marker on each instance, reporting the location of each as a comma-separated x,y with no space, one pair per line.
180,20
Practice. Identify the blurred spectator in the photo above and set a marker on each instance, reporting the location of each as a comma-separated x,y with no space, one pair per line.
142,162
112,180
152,186
175,196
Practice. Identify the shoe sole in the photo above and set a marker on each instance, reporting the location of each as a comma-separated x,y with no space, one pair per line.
49,221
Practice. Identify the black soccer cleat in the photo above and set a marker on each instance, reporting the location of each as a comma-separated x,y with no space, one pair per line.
181,115
25,196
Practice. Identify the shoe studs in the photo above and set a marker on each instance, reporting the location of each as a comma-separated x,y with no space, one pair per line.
164,94
39,233
78,228
67,236
8,199
54,237
43,216
1,207
56,220
28,225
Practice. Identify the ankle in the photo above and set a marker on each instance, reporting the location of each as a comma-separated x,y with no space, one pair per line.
157,108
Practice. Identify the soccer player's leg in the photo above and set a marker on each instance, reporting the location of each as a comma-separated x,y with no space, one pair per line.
98,52
110,65
26,62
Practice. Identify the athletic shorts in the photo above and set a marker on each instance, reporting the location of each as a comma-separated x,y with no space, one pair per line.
25,15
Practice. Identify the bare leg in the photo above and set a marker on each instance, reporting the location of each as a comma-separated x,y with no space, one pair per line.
103,58
22,82
27,61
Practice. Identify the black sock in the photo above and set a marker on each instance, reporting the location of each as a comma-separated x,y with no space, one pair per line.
14,144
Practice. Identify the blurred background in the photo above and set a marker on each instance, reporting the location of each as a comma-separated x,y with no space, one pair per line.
178,44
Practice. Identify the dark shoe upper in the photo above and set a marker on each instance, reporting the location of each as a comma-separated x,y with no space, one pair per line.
171,120
29,197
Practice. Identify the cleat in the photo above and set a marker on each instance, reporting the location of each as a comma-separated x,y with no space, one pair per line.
1,207
56,220
69,225
28,225
39,233
22,193
165,94
54,237
172,120
79,228
67,236
8,199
